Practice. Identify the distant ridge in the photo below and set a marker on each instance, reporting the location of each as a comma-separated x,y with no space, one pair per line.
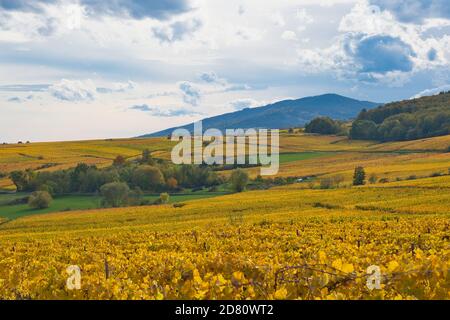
283,114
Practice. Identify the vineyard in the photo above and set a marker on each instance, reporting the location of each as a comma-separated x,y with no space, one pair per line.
289,242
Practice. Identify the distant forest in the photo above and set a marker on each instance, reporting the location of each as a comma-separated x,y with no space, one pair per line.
398,121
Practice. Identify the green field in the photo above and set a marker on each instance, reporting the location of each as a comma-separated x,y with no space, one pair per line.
81,202
298,156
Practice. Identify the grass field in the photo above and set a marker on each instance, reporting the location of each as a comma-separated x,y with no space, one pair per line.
82,202
289,242
300,156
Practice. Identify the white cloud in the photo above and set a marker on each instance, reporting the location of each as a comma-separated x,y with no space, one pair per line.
289,35
278,19
74,90
304,17
432,92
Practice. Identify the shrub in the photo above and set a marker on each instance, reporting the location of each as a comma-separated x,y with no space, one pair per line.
239,180
115,194
435,174
40,200
163,198
373,178
338,179
326,183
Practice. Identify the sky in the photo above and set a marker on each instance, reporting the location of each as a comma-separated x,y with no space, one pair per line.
88,69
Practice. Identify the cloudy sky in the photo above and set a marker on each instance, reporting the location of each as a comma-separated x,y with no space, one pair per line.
98,69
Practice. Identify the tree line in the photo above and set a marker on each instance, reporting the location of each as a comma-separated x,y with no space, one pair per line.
399,121
124,182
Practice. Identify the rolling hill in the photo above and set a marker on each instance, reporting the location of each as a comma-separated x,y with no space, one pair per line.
405,120
283,114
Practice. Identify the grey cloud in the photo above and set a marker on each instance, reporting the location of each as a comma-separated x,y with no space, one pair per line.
15,99
210,77
243,104
176,31
380,54
73,90
118,87
24,88
157,112
191,94
20,100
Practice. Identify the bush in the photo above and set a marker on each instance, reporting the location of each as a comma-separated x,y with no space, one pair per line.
373,178
359,176
115,194
435,174
326,183
239,180
40,200
338,179
163,198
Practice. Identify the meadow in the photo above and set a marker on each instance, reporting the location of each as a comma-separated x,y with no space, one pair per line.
81,202
290,242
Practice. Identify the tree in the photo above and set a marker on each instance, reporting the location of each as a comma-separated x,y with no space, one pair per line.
22,180
148,178
115,194
135,197
119,161
147,158
323,125
338,179
373,178
359,176
172,183
364,129
239,180
40,200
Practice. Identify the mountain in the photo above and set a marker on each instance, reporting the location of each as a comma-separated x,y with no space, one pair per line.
283,114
